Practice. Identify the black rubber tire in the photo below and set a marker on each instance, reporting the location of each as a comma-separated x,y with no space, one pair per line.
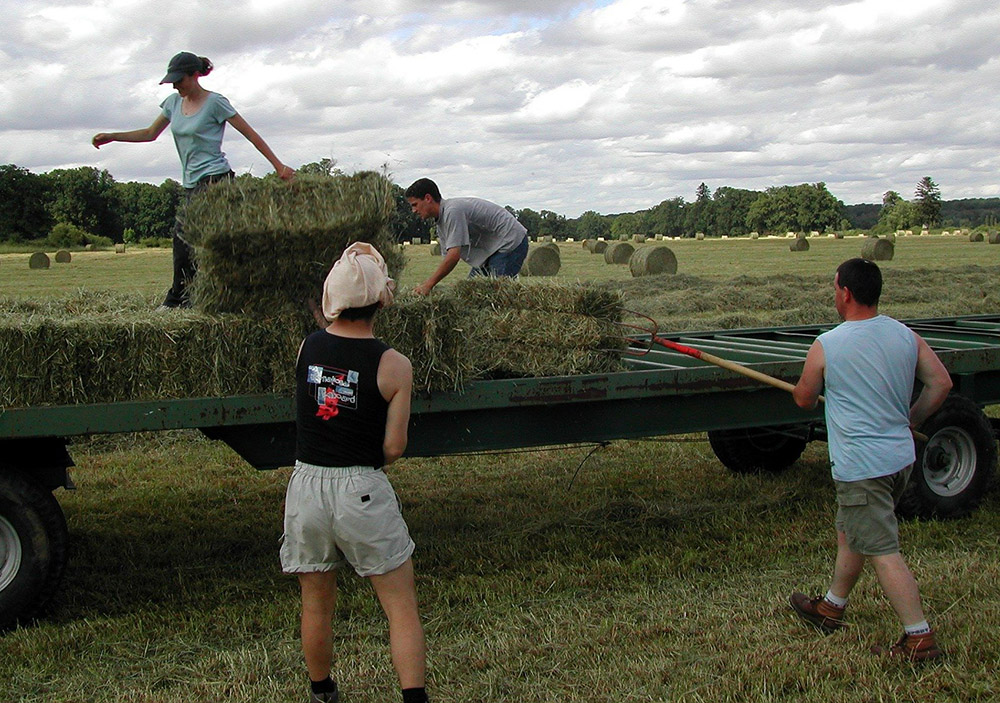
954,467
755,450
33,548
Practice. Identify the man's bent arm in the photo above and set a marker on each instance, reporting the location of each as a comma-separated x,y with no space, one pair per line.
446,266
807,391
937,383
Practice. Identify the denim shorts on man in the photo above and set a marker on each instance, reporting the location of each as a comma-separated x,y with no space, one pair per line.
866,513
342,514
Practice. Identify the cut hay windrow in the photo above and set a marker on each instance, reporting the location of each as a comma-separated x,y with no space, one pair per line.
265,246
97,348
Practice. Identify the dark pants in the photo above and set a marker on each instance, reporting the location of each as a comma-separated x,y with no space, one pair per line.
506,265
184,264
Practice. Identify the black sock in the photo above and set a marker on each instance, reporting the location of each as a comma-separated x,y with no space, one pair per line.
414,695
327,685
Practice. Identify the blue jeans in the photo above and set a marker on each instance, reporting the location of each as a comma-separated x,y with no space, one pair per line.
503,264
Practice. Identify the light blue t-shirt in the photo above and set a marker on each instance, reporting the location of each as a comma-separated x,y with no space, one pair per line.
198,137
869,376
479,227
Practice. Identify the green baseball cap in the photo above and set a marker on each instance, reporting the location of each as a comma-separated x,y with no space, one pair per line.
183,64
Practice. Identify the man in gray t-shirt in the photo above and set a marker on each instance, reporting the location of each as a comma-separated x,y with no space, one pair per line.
483,234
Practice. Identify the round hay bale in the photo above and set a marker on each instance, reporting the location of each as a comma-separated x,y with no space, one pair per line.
597,246
618,253
699,236
639,238
800,235
586,243
878,250
418,240
976,237
838,235
551,245
543,261
755,235
436,249
652,260
63,257
119,248
799,244
994,238
890,237
39,260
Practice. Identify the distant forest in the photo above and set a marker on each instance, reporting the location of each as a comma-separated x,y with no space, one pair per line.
965,213
70,207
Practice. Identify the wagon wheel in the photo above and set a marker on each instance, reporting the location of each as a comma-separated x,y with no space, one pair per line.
754,450
33,541
953,469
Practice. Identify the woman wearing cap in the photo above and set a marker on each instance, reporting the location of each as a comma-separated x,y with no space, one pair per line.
197,119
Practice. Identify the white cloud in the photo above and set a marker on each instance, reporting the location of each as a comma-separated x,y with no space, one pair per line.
571,105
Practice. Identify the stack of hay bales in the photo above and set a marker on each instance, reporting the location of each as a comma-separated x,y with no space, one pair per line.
652,260
543,260
875,249
265,246
618,253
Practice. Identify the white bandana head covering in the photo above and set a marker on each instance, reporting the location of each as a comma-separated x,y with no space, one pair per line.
357,279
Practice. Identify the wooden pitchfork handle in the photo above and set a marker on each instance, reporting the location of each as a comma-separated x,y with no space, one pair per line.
743,370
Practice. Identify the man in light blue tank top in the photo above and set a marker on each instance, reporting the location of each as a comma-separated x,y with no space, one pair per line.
866,367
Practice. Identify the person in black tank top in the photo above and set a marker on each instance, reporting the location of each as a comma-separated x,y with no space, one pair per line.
352,412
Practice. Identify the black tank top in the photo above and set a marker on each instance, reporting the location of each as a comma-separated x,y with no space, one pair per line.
340,413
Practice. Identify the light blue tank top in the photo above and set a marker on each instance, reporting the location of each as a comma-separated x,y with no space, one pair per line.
198,137
869,376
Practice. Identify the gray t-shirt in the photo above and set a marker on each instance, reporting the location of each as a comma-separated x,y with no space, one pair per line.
480,228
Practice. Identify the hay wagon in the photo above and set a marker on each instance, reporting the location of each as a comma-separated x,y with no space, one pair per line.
751,428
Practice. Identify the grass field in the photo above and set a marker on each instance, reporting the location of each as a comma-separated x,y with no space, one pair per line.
645,572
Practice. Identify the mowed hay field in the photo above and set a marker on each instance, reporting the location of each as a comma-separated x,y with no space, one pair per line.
644,571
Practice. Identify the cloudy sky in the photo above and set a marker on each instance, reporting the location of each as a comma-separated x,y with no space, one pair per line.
607,105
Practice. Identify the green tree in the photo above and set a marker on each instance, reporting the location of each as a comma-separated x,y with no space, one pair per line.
667,218
23,212
323,167
625,225
699,216
896,213
85,197
591,225
404,223
146,209
553,225
928,201
731,206
531,220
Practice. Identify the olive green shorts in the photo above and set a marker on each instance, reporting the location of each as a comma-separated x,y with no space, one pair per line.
866,512
338,515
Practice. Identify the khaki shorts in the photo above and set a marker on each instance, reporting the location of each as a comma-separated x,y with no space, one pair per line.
347,514
866,513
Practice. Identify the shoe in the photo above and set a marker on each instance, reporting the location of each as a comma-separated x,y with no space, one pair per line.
326,697
818,611
914,648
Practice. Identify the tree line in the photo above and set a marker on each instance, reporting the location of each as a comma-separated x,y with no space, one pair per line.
67,207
